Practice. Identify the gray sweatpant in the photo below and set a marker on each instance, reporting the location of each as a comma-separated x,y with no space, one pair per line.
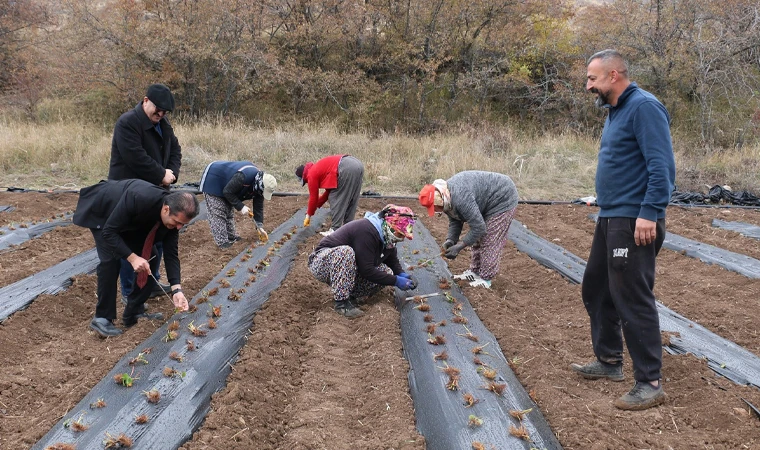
345,198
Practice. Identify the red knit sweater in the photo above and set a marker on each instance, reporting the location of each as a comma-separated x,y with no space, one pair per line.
323,174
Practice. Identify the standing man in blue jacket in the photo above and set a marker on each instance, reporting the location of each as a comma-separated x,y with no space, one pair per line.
634,179
144,147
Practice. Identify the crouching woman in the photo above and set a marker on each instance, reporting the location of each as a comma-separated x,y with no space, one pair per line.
360,258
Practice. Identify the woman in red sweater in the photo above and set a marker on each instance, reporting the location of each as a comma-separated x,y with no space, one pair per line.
341,177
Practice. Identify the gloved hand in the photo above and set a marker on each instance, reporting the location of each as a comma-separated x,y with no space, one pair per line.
409,277
454,250
263,236
448,244
245,210
306,221
404,283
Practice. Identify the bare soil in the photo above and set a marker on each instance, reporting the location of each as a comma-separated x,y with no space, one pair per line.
310,379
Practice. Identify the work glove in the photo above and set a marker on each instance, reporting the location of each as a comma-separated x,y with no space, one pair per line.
454,250
245,210
263,236
448,244
409,277
306,221
404,283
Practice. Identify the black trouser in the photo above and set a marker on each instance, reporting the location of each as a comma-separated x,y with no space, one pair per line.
108,275
617,292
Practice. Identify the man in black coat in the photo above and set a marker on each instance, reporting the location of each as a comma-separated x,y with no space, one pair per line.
144,147
127,218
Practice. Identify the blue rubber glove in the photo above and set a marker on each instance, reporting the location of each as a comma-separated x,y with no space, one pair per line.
404,283
405,275
409,277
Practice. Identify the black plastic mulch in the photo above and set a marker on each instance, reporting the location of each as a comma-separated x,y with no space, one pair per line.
19,234
745,229
19,295
710,254
6,208
723,356
440,412
185,397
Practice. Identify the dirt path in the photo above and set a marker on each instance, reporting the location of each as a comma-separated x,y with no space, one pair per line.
308,378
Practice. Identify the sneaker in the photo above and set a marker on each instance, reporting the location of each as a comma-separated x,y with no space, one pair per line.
468,275
642,396
596,369
327,233
236,238
348,309
227,244
479,282
130,321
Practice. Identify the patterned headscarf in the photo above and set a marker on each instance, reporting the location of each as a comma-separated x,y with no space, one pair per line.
396,218
442,195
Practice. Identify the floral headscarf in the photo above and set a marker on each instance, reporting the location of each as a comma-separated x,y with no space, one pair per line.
396,218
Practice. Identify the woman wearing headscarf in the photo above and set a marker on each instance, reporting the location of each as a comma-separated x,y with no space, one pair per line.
341,177
225,185
360,257
486,201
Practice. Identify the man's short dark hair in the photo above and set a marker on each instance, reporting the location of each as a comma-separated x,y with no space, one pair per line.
611,56
182,202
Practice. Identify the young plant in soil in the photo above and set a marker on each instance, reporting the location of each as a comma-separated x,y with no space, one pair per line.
521,432
97,404
519,415
140,358
443,356
453,383
120,441
190,345
474,421
442,323
437,340
428,318
213,291
196,330
423,307
191,308
514,362
479,350
478,446
77,425
469,400
496,388
224,283
61,446
176,356
125,379
153,396
211,324
450,298
231,272
170,335
488,373
533,395
460,319
233,296
444,284
142,419
215,311
431,328
469,335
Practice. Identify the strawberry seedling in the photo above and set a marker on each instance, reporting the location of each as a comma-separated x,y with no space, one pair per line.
142,419
120,441
474,421
153,396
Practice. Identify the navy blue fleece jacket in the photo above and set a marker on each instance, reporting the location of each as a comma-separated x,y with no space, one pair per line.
635,174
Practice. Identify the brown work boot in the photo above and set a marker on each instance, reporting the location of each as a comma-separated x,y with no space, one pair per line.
642,396
597,369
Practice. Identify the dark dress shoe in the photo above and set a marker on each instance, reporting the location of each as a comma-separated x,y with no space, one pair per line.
129,321
104,327
124,302
160,289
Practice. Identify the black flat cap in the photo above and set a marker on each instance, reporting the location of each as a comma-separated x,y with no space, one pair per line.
161,96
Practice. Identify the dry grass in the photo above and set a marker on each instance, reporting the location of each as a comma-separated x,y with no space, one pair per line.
552,167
